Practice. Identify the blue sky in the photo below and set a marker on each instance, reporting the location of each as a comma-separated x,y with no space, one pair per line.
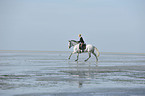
110,25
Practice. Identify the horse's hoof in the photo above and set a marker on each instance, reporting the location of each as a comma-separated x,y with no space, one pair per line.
76,60
85,60
68,58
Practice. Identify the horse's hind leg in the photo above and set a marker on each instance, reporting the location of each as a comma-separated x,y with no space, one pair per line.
95,56
88,57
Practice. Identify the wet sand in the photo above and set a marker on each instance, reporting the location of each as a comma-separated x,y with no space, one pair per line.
33,73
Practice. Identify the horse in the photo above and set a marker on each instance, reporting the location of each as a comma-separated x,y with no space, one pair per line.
89,49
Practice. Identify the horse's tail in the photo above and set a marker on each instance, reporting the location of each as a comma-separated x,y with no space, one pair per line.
98,53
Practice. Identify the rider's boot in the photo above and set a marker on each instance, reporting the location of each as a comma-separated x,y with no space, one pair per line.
82,50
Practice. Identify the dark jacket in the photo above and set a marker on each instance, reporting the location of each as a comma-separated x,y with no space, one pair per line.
81,40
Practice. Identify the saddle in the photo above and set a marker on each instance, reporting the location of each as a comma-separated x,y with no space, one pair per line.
83,47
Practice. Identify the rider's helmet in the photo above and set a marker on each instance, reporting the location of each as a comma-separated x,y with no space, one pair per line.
80,35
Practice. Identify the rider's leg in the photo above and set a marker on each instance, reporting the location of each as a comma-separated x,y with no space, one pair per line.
82,47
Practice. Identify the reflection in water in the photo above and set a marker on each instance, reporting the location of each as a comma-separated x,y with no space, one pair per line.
83,71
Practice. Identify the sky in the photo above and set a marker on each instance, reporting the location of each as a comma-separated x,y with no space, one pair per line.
47,25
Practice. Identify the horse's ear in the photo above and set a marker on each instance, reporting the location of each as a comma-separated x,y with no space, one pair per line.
68,40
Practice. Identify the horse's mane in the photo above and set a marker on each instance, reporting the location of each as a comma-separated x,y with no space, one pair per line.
75,41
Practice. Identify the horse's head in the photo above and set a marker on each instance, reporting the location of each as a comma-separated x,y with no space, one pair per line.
69,44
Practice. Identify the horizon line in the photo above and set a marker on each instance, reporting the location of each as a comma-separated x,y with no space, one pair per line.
70,51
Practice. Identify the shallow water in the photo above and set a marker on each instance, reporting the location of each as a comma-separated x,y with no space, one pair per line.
51,74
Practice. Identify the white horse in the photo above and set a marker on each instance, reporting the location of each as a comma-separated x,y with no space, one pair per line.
89,48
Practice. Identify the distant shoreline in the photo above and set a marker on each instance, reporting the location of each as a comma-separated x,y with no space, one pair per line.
71,51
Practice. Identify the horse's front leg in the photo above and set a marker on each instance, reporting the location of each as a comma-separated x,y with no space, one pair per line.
88,57
70,55
77,57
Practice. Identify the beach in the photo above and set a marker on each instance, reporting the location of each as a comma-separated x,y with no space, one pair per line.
50,73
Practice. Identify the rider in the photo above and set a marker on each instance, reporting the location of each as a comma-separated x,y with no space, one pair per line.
81,41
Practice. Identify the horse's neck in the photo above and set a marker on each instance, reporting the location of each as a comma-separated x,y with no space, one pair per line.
74,43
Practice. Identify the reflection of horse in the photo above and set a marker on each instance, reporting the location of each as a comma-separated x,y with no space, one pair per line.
89,48
82,72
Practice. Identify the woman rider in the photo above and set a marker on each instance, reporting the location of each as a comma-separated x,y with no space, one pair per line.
81,41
